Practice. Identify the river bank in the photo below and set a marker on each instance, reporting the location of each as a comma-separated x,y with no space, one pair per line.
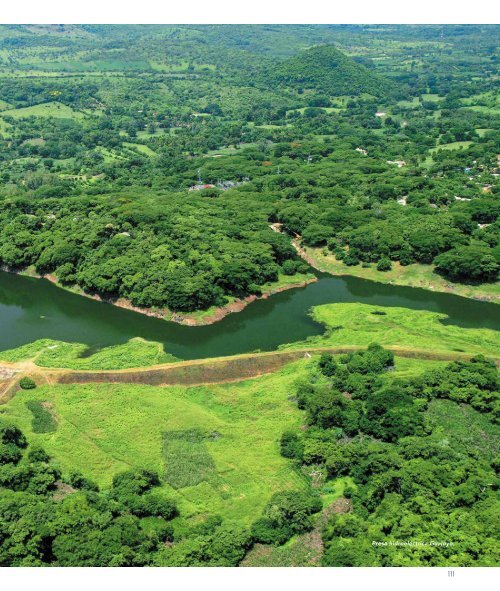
198,318
415,275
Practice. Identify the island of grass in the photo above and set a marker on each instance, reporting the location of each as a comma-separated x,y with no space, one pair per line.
399,328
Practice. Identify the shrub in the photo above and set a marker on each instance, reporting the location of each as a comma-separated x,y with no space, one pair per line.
291,446
77,480
266,531
351,260
9,453
154,504
27,383
327,364
134,482
384,264
11,434
38,454
289,267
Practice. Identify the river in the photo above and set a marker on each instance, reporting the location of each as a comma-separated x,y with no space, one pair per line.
32,309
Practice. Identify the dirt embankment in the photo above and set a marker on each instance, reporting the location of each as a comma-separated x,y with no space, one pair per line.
223,370
189,373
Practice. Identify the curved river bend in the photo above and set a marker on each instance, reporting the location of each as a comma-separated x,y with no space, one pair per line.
32,309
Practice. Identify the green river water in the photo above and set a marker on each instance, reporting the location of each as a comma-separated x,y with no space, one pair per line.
32,309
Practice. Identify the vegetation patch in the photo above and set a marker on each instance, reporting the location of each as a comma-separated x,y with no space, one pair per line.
357,324
48,353
465,428
44,420
27,383
52,109
187,459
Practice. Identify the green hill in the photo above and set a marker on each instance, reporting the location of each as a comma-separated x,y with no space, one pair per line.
328,70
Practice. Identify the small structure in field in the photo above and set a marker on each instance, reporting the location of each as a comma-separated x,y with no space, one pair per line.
201,187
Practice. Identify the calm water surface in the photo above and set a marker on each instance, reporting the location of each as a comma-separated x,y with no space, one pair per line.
32,309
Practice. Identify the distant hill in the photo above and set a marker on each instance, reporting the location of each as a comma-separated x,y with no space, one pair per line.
328,70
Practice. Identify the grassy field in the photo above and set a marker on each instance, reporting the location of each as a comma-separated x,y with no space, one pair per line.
431,98
217,447
52,109
235,462
362,324
324,109
146,150
415,275
451,146
48,353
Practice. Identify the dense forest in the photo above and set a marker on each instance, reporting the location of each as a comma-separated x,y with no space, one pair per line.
407,482
155,177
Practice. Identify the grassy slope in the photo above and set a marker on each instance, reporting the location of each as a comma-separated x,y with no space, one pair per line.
103,429
356,324
413,275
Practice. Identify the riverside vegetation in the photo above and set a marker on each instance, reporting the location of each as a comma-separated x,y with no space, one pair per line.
379,161
201,168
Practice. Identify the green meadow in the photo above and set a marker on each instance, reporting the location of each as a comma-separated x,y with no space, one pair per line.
48,353
362,324
451,146
52,109
217,447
